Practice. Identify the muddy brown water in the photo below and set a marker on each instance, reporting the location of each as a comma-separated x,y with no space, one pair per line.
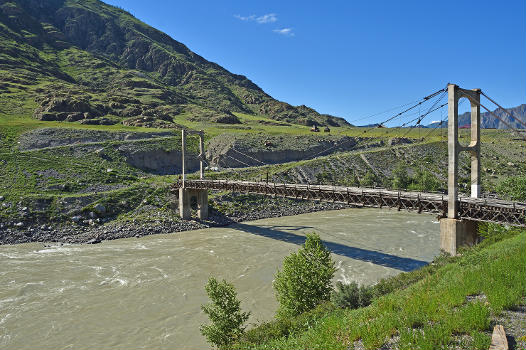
146,293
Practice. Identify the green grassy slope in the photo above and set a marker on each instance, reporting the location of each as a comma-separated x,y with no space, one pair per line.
82,171
89,62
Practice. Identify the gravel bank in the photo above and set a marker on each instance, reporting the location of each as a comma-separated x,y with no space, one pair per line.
265,207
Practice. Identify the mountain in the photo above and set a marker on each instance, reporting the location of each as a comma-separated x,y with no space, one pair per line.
487,121
88,62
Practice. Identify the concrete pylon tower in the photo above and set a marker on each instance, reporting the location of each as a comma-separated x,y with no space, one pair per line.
186,195
454,232
454,147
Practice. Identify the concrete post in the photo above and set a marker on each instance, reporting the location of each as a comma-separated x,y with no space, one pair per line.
453,150
184,203
475,143
183,147
202,204
201,154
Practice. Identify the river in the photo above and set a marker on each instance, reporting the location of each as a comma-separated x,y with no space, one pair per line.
145,293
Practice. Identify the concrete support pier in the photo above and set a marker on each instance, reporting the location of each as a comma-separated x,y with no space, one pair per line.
455,233
189,196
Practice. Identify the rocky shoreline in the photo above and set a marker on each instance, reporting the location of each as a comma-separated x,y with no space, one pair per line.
72,233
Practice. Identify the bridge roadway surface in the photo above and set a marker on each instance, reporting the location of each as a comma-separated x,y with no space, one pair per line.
478,209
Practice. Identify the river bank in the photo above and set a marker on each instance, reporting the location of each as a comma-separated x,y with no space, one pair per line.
224,210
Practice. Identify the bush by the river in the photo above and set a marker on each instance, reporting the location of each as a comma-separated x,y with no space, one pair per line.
224,311
305,279
351,296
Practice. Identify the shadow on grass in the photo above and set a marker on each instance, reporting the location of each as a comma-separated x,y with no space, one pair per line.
378,258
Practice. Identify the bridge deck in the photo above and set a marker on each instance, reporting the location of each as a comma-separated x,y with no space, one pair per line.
486,210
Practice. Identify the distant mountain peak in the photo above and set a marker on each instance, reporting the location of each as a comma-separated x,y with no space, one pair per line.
488,121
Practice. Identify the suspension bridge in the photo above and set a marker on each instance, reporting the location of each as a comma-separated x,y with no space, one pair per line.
458,214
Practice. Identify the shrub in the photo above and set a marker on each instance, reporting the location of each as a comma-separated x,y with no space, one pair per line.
305,280
282,327
350,296
425,181
401,178
225,313
369,179
514,187
491,233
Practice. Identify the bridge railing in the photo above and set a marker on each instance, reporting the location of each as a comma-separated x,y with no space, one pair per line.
479,209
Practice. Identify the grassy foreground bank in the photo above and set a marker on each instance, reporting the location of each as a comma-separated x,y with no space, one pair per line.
448,304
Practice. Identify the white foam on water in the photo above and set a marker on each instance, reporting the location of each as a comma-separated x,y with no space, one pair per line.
10,256
5,339
119,281
8,300
161,271
97,269
58,249
3,319
345,278
39,283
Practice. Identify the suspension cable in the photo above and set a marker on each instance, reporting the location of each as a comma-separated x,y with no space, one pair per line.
416,105
420,118
379,113
246,155
239,161
332,147
425,99
442,120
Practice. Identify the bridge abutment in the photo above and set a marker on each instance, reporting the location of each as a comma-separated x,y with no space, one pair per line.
187,196
455,233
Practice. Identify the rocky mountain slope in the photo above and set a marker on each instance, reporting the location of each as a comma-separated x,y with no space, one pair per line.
92,63
490,122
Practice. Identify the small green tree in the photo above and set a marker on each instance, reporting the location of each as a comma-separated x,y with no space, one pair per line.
425,181
305,279
369,179
225,313
400,177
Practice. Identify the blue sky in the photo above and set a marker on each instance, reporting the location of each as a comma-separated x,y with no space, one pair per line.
354,58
